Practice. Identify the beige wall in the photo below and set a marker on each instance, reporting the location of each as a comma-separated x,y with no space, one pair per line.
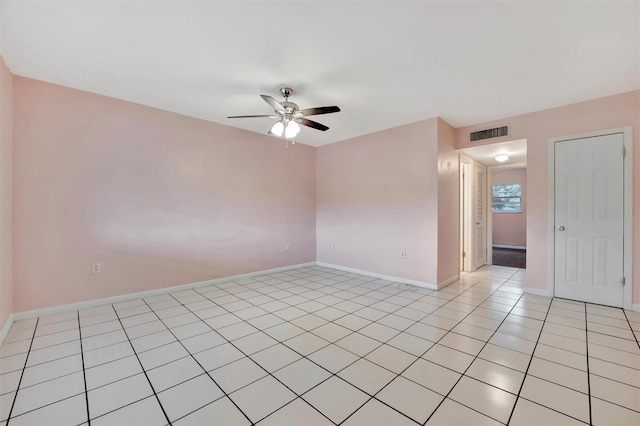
6,144
537,127
159,199
377,194
510,229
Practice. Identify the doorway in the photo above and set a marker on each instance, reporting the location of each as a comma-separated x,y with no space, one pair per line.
590,213
476,164
509,216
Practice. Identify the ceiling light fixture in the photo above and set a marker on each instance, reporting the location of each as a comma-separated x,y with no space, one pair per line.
501,158
290,129
277,128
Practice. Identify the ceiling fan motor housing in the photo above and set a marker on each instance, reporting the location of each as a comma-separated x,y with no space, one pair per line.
286,91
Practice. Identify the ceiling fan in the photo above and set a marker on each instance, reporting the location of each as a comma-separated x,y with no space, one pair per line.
290,116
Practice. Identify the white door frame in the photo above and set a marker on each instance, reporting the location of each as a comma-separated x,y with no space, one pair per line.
628,207
490,169
466,163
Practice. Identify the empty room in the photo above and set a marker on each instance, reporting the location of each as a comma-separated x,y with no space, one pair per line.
319,212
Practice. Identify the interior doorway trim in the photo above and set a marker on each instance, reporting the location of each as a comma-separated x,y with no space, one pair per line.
466,192
627,133
490,169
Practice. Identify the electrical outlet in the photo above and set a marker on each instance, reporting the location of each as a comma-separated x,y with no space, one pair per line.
95,268
403,254
330,245
288,247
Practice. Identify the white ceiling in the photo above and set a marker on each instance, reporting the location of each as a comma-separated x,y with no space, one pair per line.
485,154
385,63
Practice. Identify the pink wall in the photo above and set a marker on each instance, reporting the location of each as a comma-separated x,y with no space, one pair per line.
537,127
6,144
510,229
448,205
377,195
159,199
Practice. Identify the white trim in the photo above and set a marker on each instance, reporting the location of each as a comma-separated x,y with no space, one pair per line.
6,328
123,298
448,281
489,196
551,215
424,284
509,247
627,142
538,291
628,221
635,307
466,197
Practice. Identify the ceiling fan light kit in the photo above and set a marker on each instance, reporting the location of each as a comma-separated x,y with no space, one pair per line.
290,129
290,116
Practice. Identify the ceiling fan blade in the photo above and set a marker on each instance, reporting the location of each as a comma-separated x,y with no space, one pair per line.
320,110
312,124
253,116
271,101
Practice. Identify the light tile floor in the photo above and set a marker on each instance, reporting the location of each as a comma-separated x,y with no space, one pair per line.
315,346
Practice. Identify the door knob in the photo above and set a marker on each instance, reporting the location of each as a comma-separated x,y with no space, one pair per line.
560,228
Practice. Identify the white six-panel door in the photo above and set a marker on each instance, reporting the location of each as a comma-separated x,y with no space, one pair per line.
589,221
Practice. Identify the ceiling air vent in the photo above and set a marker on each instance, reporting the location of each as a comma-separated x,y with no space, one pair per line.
489,133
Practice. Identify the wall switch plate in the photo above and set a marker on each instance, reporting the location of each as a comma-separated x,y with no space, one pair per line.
95,268
403,254
330,245
288,247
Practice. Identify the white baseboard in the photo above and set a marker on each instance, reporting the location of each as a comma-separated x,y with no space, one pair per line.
448,281
538,291
424,284
509,247
635,307
123,298
6,328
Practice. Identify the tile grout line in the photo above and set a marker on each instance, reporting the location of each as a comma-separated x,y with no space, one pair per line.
84,375
231,294
474,358
586,333
414,321
144,351
630,327
307,331
356,295
255,362
506,279
15,397
526,373
329,343
143,370
391,295
435,343
198,362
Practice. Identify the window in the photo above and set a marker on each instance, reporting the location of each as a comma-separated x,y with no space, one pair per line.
506,197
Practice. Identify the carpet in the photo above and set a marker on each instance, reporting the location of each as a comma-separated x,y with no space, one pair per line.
515,258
